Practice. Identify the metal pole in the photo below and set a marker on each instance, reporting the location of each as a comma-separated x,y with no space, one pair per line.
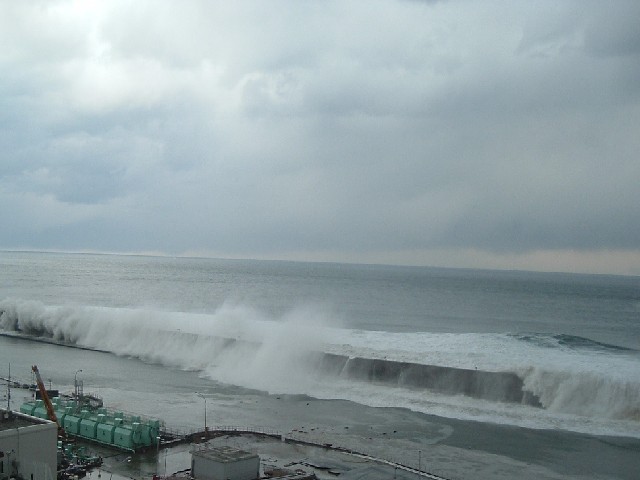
205,413
158,455
75,386
9,390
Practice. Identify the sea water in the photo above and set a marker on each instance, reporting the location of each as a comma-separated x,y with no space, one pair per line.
358,351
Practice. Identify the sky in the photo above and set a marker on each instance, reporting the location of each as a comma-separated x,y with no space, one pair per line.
493,134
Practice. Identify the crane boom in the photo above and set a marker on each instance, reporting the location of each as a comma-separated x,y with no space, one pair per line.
45,398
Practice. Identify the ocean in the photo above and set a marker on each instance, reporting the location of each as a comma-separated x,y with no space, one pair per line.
473,373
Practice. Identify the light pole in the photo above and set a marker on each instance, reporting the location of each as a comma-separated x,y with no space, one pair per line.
75,386
205,413
157,454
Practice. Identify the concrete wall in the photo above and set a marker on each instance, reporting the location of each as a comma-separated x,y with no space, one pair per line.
32,448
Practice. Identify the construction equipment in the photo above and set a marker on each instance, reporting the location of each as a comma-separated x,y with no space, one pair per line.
47,401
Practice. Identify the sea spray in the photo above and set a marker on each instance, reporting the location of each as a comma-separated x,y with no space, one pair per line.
586,393
462,375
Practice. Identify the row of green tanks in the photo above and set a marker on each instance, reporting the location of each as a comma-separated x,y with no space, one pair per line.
115,429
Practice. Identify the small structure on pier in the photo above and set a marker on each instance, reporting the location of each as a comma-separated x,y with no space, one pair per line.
224,463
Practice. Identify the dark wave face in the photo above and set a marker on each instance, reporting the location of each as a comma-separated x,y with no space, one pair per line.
495,386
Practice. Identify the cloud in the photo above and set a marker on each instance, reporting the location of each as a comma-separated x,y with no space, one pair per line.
345,129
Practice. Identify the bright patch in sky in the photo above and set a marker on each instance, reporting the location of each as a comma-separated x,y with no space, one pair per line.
480,134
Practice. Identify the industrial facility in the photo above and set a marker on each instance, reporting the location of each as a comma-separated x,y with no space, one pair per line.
126,432
45,441
79,418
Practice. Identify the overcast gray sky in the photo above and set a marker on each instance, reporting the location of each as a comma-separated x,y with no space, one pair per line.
451,133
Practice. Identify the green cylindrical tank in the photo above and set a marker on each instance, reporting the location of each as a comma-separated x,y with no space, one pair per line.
61,411
27,408
40,411
123,435
72,424
149,431
88,426
105,432
137,434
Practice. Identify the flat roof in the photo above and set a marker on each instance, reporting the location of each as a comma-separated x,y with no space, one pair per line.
10,420
224,454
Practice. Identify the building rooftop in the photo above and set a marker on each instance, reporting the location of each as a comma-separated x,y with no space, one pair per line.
223,454
10,420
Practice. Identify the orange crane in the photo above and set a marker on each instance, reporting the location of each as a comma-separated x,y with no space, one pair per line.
47,402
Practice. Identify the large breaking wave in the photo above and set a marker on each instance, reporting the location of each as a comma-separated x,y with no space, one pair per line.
299,353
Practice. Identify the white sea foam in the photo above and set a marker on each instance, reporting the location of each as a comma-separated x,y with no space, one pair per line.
580,389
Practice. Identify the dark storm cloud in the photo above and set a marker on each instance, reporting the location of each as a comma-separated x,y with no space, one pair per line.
361,129
613,30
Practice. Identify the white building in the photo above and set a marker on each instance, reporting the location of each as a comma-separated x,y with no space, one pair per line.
224,463
28,447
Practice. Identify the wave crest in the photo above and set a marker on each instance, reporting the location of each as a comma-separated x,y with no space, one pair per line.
238,345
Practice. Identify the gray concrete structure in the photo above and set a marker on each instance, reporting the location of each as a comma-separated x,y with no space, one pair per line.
28,447
224,463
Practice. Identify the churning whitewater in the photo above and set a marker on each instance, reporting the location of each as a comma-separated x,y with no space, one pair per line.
536,380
